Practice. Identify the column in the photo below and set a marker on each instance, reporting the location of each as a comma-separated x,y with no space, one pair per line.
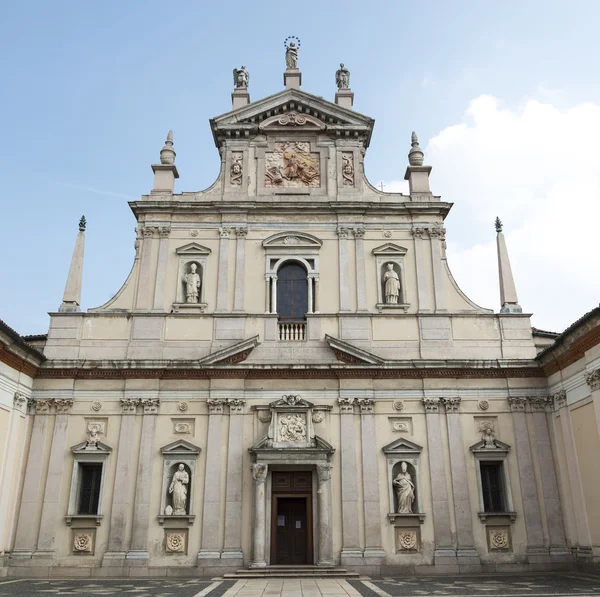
465,551
584,539
317,296
531,505
350,545
325,524
211,541
421,268
554,517
342,233
273,294
54,477
240,267
118,538
143,289
370,478
259,474
361,282
161,270
138,553
444,549
233,491
267,294
223,270
27,530
310,294
437,236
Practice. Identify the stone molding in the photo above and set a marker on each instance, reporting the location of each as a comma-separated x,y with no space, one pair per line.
432,405
452,404
593,379
517,403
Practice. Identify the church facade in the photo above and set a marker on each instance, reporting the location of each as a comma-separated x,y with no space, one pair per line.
290,375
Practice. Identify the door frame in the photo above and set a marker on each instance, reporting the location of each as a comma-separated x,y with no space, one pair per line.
307,496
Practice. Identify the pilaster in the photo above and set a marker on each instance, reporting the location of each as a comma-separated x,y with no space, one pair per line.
143,290
421,269
325,509
223,274
361,280
342,233
240,264
161,270
437,236
259,474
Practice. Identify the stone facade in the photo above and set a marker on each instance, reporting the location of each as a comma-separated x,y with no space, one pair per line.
185,411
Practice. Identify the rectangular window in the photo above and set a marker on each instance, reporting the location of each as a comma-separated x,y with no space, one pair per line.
90,476
492,486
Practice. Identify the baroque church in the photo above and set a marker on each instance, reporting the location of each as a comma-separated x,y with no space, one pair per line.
290,376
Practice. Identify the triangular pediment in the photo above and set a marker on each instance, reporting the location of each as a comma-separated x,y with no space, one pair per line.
483,449
402,446
180,447
350,354
232,355
193,249
389,249
292,239
88,448
291,109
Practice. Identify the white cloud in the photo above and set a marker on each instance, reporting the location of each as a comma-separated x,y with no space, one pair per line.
538,168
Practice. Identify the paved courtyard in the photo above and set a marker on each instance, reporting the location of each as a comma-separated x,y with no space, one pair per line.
555,585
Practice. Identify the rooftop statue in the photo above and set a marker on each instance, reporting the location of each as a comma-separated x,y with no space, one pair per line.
342,77
241,78
291,52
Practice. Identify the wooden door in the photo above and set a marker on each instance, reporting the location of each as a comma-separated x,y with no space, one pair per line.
292,534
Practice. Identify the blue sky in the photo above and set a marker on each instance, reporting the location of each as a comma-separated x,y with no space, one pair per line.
89,91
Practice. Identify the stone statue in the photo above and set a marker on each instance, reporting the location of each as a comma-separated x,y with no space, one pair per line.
192,285
405,490
291,56
342,77
488,438
392,285
93,436
241,78
178,489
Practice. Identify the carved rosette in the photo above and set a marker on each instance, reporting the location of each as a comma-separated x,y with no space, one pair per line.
183,406
128,405
559,399
259,473
175,542
96,406
432,405
346,405
366,405
236,405
292,119
215,406
150,405
593,379
83,542
452,404
406,540
398,405
538,403
183,428
483,405
499,539
517,403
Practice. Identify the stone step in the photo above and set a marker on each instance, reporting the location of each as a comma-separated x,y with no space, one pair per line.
291,572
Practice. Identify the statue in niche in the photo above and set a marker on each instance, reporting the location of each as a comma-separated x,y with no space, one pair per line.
241,78
292,428
342,77
178,489
392,285
192,285
405,490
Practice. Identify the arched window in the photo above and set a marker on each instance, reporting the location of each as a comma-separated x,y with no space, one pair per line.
292,292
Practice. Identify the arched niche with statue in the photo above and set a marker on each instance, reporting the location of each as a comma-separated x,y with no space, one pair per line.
190,295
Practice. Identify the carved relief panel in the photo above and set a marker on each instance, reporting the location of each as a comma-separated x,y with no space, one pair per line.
292,164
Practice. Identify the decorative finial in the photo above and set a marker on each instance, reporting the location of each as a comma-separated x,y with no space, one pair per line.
498,224
342,77
241,78
82,224
167,153
415,155
291,52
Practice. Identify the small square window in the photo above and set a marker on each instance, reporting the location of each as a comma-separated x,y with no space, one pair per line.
90,478
492,486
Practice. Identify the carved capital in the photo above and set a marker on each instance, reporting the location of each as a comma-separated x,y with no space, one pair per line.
224,232
538,403
164,231
559,399
517,403
63,405
593,379
438,232
342,232
366,405
359,231
215,406
418,232
259,473
42,405
452,404
150,405
236,405
149,231
346,405
19,399
323,473
432,405
128,405
241,231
